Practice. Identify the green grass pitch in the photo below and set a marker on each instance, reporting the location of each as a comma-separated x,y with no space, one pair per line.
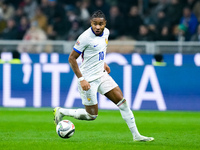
33,129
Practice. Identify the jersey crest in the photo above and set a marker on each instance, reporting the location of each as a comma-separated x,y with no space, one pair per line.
77,43
106,40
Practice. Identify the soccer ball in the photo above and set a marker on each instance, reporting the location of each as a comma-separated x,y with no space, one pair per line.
65,129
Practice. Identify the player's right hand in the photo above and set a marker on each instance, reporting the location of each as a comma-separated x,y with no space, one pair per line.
85,85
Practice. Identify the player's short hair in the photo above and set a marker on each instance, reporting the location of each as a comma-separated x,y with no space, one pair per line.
98,14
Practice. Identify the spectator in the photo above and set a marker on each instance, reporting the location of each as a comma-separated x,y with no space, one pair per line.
101,5
190,21
180,32
51,34
133,22
30,8
23,27
58,22
45,7
196,10
19,13
153,31
165,34
34,34
196,36
124,17
158,60
41,19
7,11
2,25
71,14
161,7
144,34
174,12
125,5
16,58
191,3
54,9
76,8
75,31
116,28
60,27
10,32
84,14
161,20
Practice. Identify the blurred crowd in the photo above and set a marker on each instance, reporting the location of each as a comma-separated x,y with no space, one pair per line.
142,20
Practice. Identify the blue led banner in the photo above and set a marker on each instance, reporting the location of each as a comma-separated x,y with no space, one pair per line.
52,83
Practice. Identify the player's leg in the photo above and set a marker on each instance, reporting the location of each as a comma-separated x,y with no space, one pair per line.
112,91
89,100
116,96
89,113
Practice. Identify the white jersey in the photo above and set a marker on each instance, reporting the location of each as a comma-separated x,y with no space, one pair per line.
93,51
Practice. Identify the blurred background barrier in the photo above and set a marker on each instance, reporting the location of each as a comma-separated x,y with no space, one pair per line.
46,80
128,46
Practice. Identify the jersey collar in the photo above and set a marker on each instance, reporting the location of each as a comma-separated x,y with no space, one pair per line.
95,34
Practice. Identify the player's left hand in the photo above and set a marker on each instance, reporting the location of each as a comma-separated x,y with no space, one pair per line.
85,85
107,68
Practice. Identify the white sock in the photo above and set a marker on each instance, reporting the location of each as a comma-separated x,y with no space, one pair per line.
80,114
128,116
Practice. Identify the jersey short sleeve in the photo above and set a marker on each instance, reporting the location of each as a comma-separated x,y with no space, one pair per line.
81,43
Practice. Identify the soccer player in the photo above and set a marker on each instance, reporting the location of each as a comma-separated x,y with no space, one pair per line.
93,76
